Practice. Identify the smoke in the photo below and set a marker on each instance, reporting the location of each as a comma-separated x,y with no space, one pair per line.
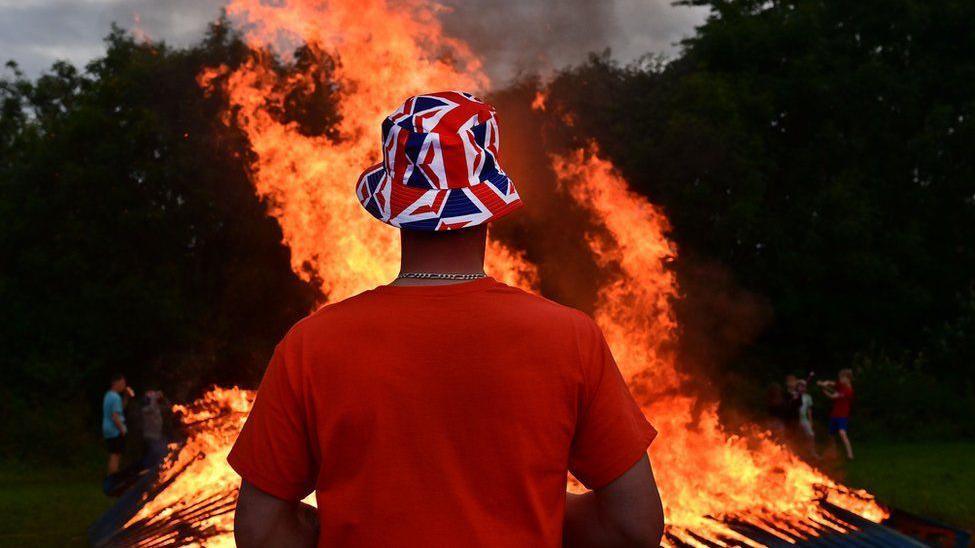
511,36
551,227
719,318
515,37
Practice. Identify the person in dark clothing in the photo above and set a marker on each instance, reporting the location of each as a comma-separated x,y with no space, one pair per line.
792,404
775,407
154,441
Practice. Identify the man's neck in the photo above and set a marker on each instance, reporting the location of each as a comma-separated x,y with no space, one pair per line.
453,253
437,267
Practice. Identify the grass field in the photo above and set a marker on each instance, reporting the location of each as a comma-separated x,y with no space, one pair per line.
933,479
49,506
53,506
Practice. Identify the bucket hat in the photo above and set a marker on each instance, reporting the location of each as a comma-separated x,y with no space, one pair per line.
440,166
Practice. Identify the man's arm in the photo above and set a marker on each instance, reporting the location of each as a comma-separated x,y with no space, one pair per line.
117,419
627,512
263,520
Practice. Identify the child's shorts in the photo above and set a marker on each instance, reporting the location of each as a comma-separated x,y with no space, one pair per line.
838,423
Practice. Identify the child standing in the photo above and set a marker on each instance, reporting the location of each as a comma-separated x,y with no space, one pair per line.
841,392
805,416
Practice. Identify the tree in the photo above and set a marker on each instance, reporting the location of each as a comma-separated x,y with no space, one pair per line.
820,151
132,238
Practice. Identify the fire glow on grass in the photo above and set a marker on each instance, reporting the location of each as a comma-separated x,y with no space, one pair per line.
384,55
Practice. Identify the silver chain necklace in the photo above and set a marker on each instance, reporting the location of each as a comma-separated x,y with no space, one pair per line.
441,276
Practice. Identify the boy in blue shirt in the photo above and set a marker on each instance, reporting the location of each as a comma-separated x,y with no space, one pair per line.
113,420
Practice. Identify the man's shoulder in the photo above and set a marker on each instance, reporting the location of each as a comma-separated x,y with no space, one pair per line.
331,315
534,313
529,303
516,303
334,311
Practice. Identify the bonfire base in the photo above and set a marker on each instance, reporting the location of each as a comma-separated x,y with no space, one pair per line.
184,525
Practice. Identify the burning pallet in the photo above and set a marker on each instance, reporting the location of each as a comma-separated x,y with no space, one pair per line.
192,522
834,526
190,498
180,525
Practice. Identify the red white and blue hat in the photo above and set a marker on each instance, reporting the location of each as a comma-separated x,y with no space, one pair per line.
440,166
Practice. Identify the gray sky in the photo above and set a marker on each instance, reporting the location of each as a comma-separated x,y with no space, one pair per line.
511,35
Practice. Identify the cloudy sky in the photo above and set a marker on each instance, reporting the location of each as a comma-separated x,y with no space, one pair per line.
513,35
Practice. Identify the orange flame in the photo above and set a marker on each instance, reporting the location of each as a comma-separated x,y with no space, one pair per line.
138,31
384,55
538,103
703,471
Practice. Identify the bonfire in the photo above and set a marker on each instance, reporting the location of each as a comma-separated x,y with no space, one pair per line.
709,478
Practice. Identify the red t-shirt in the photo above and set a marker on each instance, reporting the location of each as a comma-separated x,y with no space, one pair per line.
440,416
841,405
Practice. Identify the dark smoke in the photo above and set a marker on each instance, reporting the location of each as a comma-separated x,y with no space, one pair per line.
551,228
718,317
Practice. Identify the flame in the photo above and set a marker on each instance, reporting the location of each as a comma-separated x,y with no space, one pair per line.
138,31
198,471
704,472
538,103
382,56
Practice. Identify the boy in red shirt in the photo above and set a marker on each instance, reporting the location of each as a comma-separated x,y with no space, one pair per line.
841,392
446,408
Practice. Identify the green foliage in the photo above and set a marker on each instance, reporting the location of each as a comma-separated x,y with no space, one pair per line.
131,239
906,399
923,395
821,154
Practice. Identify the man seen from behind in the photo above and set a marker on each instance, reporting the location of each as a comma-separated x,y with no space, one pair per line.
445,408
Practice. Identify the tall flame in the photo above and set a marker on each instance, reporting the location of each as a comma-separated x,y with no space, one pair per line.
703,471
384,55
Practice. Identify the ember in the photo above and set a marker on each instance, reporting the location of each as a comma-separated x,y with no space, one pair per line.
715,485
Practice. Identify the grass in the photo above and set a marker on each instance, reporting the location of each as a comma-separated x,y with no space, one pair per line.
51,506
933,479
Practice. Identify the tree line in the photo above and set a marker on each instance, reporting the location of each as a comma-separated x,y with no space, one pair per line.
132,240
815,158
817,161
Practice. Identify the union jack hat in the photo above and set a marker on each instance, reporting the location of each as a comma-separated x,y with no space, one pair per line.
440,166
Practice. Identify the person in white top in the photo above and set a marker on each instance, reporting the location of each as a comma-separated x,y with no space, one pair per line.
805,416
